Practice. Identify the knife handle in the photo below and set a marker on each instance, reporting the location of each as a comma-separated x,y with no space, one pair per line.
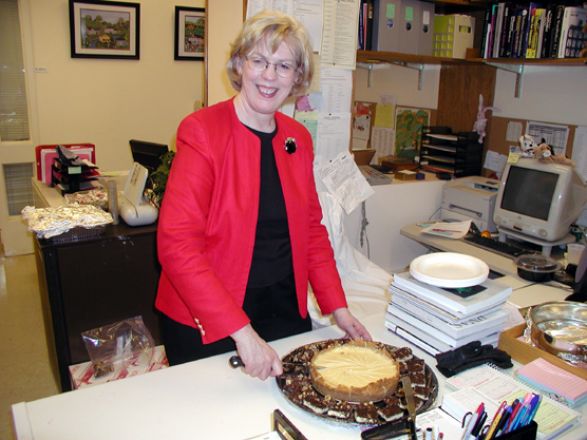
412,428
236,361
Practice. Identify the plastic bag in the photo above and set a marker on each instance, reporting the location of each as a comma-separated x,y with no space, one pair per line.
113,347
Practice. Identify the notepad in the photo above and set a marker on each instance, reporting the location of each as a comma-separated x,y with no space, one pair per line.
546,376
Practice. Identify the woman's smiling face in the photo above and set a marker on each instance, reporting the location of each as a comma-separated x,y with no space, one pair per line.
266,86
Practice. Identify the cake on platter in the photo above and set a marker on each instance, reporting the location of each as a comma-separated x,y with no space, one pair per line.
359,371
372,398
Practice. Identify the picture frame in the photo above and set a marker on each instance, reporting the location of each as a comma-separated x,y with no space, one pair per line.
104,29
190,34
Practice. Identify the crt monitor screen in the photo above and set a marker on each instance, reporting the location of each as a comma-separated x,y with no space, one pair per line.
529,192
147,154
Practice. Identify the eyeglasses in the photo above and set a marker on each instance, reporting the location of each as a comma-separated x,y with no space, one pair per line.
283,68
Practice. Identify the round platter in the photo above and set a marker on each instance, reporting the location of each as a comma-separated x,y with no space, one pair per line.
449,269
296,385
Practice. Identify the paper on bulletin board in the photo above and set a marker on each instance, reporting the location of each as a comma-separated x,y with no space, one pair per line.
333,135
495,162
555,135
336,86
382,141
363,117
339,34
309,12
384,115
408,130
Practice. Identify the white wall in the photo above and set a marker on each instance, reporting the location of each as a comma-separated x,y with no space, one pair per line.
387,211
400,82
107,102
552,94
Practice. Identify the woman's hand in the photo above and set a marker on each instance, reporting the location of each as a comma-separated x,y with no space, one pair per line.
350,325
259,358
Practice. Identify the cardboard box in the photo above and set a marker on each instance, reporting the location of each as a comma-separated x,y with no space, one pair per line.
524,353
363,157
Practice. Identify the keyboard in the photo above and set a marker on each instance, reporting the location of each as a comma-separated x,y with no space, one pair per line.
500,247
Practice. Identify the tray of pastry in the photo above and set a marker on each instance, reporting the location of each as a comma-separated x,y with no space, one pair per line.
305,374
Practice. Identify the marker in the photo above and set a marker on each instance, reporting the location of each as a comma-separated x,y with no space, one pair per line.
428,434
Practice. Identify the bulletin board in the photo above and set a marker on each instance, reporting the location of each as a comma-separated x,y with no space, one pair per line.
498,142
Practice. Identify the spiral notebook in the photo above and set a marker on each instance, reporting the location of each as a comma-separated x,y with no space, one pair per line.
545,376
489,385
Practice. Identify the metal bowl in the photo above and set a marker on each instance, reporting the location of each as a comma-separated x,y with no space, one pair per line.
560,328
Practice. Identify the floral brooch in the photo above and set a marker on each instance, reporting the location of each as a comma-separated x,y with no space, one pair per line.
290,145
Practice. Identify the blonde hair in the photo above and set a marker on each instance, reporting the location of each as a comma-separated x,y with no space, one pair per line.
273,28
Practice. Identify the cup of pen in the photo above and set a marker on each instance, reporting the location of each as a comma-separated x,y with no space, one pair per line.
515,421
527,432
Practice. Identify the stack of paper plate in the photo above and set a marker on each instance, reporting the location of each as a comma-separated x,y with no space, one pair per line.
449,269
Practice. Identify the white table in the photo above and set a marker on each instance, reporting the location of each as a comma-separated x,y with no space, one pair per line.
200,400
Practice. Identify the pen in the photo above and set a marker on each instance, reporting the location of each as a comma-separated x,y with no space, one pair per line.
468,425
496,418
515,408
519,417
534,410
480,421
502,422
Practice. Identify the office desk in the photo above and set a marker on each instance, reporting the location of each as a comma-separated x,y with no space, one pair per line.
525,293
204,399
90,278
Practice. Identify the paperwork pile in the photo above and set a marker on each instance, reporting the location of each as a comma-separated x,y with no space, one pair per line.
440,319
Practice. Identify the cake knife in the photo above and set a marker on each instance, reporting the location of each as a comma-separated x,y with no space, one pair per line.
236,361
410,405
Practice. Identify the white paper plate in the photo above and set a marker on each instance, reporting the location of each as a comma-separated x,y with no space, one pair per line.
449,269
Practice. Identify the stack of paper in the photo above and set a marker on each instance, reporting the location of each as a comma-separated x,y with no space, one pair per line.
439,319
544,376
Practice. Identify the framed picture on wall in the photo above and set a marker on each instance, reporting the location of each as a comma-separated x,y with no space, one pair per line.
190,33
104,29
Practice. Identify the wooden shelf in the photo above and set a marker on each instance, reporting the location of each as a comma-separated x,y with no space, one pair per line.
376,57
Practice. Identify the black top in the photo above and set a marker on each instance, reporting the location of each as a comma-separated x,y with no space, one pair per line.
272,252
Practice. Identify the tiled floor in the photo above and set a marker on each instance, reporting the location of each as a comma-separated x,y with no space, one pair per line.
25,373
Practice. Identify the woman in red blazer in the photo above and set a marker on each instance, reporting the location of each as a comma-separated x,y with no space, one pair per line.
240,233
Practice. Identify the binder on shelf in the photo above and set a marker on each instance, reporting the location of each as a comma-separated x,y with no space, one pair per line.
425,28
410,23
386,25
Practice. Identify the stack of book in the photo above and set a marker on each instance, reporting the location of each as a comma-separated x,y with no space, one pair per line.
441,319
533,30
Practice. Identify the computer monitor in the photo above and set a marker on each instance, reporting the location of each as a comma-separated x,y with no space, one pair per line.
148,154
539,199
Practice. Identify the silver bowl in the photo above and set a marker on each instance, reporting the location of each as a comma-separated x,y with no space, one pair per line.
560,328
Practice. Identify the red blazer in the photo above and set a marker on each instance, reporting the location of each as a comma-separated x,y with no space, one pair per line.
208,218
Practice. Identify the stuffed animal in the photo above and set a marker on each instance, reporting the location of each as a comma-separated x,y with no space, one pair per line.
542,151
527,145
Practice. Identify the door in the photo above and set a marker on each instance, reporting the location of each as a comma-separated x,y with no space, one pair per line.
16,128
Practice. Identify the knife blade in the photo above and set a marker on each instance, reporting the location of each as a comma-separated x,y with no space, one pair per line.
410,405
